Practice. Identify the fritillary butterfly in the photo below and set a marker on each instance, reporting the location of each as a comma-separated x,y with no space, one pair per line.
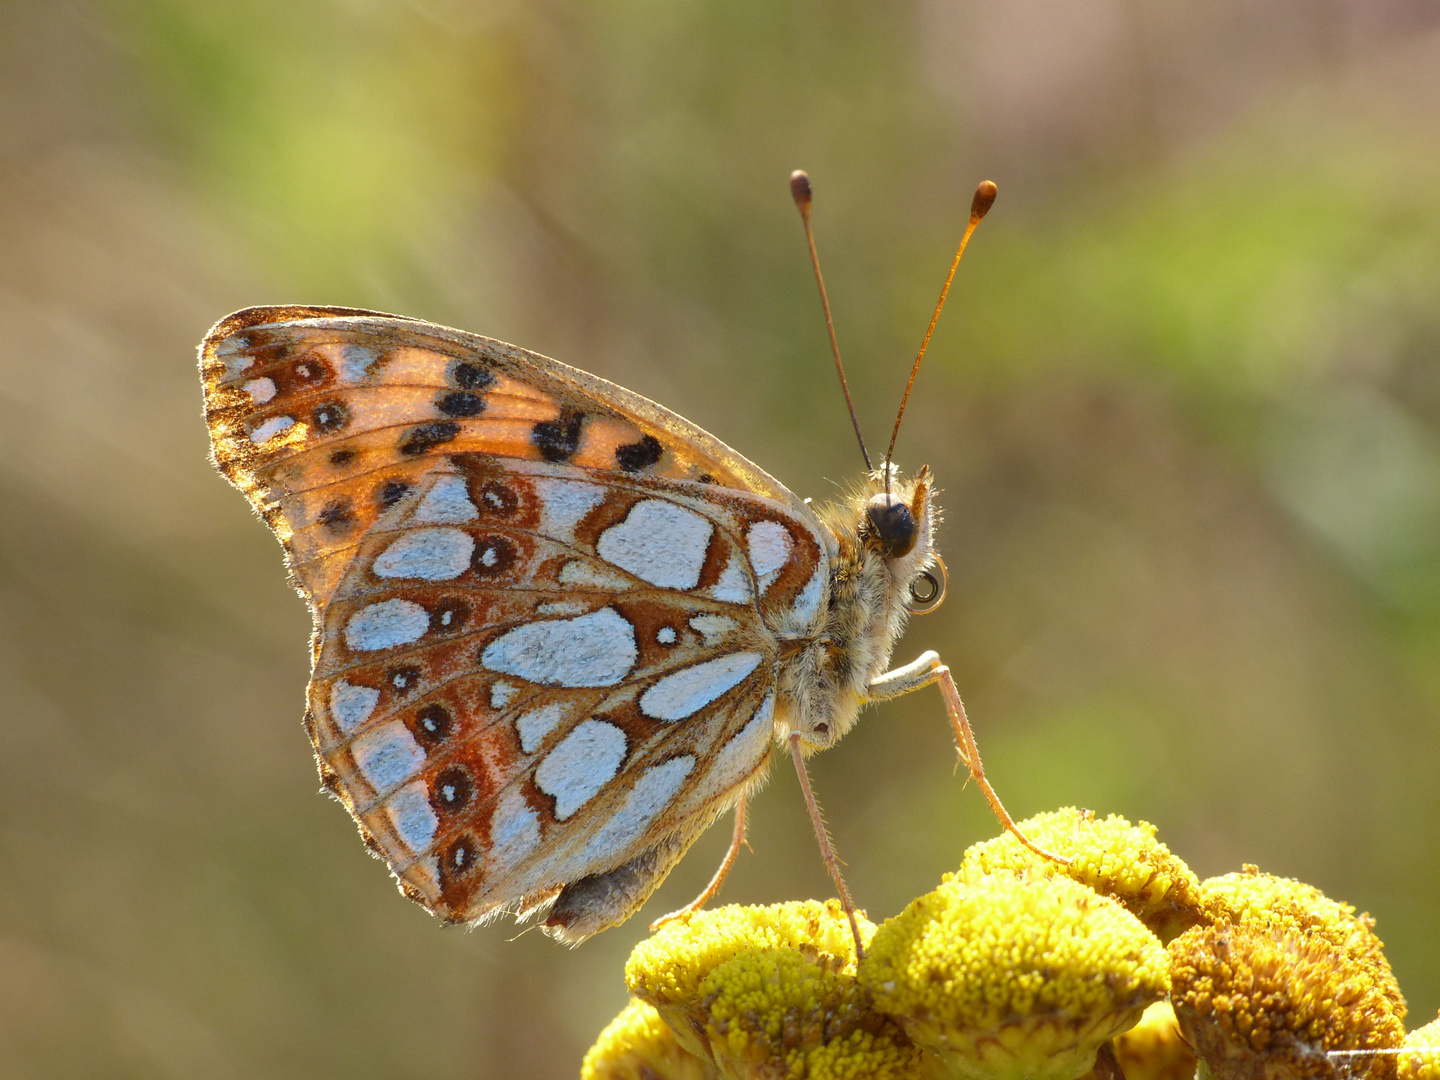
558,628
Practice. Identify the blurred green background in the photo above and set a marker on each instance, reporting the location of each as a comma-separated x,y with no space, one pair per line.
1184,407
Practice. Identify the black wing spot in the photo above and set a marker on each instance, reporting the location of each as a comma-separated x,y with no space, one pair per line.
452,789
337,516
557,440
391,492
470,376
330,417
342,456
459,860
428,436
635,456
449,616
309,370
493,556
403,679
497,499
433,724
459,403
706,478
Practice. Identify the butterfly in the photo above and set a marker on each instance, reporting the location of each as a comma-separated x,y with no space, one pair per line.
558,629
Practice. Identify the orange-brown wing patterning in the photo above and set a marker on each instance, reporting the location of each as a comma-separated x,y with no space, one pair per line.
548,612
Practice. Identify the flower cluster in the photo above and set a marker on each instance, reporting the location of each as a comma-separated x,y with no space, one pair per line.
1121,964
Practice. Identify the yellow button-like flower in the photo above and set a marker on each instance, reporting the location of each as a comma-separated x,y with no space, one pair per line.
780,1013
638,1045
1014,975
1253,898
666,969
1269,1000
1153,1049
1110,855
1420,1059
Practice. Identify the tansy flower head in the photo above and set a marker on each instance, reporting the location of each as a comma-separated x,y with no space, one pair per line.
1109,855
1153,1048
638,1045
1270,1000
1253,898
779,1013
1014,975
666,969
1422,1059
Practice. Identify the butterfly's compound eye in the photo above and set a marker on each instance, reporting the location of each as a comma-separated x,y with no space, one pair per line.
893,525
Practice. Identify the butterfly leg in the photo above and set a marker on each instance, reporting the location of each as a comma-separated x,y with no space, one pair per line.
737,838
922,672
827,852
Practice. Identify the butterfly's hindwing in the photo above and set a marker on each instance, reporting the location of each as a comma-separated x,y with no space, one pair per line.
549,613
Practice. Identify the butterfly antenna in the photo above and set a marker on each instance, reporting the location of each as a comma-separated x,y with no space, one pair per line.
801,193
979,206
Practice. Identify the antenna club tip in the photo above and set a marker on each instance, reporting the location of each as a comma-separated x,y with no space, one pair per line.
984,199
800,188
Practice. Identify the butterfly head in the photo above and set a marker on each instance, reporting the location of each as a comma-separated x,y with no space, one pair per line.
899,525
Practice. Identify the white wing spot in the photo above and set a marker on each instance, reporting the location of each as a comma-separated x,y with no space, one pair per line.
686,691
659,542
770,544
807,604
386,625
714,628
584,762
665,635
650,795
733,586
563,503
270,428
561,607
746,748
355,361
351,706
579,574
387,755
593,650
234,362
427,554
446,503
501,692
534,725
260,390
411,815
514,830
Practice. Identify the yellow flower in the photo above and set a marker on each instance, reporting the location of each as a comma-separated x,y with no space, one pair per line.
1153,1048
1423,1062
1272,1000
637,1045
1251,897
1111,856
667,969
779,1013
1013,975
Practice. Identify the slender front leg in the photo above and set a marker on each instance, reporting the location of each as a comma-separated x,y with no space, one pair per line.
923,671
736,839
826,851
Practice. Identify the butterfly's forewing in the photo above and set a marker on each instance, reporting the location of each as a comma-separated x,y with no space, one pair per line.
548,611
